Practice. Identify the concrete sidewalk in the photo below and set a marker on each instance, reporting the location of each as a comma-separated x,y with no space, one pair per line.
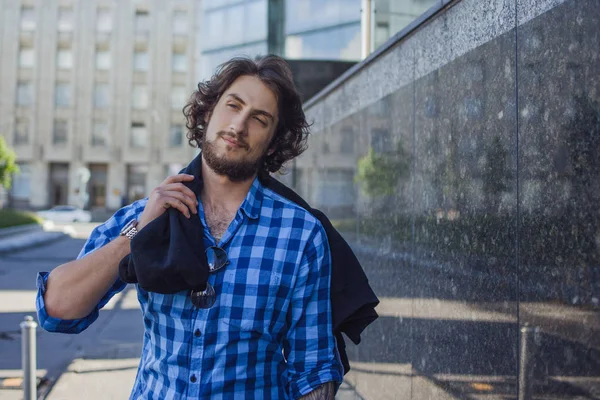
23,237
113,379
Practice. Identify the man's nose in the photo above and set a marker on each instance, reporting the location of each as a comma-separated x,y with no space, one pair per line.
239,124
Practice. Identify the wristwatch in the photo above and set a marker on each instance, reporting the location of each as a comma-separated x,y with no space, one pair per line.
130,230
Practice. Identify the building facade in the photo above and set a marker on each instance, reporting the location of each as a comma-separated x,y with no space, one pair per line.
91,94
294,29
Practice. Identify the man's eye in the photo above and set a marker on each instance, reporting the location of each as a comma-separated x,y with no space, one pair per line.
234,106
263,123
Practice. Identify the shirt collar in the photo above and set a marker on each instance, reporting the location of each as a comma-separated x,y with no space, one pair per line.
253,201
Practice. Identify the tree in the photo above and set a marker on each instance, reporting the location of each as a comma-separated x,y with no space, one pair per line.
8,166
379,173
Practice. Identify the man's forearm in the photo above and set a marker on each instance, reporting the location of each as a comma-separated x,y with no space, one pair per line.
75,288
324,392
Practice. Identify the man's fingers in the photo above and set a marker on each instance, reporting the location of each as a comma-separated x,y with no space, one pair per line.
180,187
173,202
178,178
189,203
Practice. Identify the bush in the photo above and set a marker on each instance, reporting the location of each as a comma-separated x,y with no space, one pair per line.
10,218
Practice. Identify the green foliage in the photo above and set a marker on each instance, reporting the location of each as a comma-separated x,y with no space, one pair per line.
8,166
10,218
379,173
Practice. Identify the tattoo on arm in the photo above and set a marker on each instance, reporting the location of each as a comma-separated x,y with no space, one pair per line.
323,392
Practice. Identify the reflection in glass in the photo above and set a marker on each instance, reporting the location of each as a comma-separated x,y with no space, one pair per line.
26,57
99,133
27,18
306,15
102,59
65,19
101,95
62,94
139,135
139,97
341,43
21,135
60,132
104,20
64,58
140,61
24,93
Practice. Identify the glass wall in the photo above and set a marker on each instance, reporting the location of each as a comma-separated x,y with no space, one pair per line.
232,28
322,29
391,16
471,199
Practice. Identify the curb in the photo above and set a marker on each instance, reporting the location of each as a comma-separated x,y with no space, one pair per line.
19,229
35,239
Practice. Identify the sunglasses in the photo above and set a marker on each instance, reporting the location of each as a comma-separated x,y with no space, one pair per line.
217,259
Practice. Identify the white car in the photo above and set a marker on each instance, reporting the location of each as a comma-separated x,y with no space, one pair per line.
66,214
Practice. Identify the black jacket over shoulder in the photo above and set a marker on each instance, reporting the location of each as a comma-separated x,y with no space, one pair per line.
167,256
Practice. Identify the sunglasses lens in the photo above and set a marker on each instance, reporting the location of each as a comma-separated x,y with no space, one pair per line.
204,298
217,258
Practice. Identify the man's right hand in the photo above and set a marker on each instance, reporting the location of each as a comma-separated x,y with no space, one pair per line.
170,193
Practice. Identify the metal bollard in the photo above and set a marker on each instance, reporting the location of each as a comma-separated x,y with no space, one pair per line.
526,361
29,358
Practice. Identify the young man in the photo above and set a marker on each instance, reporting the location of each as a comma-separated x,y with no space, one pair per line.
260,324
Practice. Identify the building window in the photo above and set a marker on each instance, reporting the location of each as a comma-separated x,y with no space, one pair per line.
102,59
65,19
142,21
21,131
59,133
26,57
347,145
180,23
139,136
99,134
104,20
140,97
21,182
176,137
381,140
179,62
24,94
62,94
178,97
136,182
64,58
27,18
140,61
101,95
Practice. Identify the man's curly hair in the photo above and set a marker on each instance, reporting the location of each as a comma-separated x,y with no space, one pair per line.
292,129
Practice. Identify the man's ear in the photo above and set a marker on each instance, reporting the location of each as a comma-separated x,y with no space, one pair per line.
271,151
207,117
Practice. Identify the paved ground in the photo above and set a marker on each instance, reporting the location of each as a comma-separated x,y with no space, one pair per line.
99,363
439,336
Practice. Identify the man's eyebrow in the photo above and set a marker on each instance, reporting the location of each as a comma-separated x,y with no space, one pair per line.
239,99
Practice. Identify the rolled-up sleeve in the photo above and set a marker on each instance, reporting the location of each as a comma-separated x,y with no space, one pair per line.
310,349
99,237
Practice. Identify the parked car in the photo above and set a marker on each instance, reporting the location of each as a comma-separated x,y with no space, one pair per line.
66,214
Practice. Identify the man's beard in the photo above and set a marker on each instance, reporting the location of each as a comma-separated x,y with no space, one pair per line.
236,171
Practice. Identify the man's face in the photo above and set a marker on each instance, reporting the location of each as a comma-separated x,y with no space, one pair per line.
240,128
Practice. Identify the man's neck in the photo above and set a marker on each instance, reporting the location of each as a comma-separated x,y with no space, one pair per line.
218,189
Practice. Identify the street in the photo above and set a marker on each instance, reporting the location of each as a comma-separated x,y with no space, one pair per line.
116,335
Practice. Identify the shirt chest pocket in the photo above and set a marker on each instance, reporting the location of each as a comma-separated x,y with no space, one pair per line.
253,300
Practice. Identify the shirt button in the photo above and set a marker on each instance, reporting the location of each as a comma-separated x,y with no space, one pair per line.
193,378
197,333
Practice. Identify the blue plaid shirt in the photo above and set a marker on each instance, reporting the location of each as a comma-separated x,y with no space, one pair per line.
268,335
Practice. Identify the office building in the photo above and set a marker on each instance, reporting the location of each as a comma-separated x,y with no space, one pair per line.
91,94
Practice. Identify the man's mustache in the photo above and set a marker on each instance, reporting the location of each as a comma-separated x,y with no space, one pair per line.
241,142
